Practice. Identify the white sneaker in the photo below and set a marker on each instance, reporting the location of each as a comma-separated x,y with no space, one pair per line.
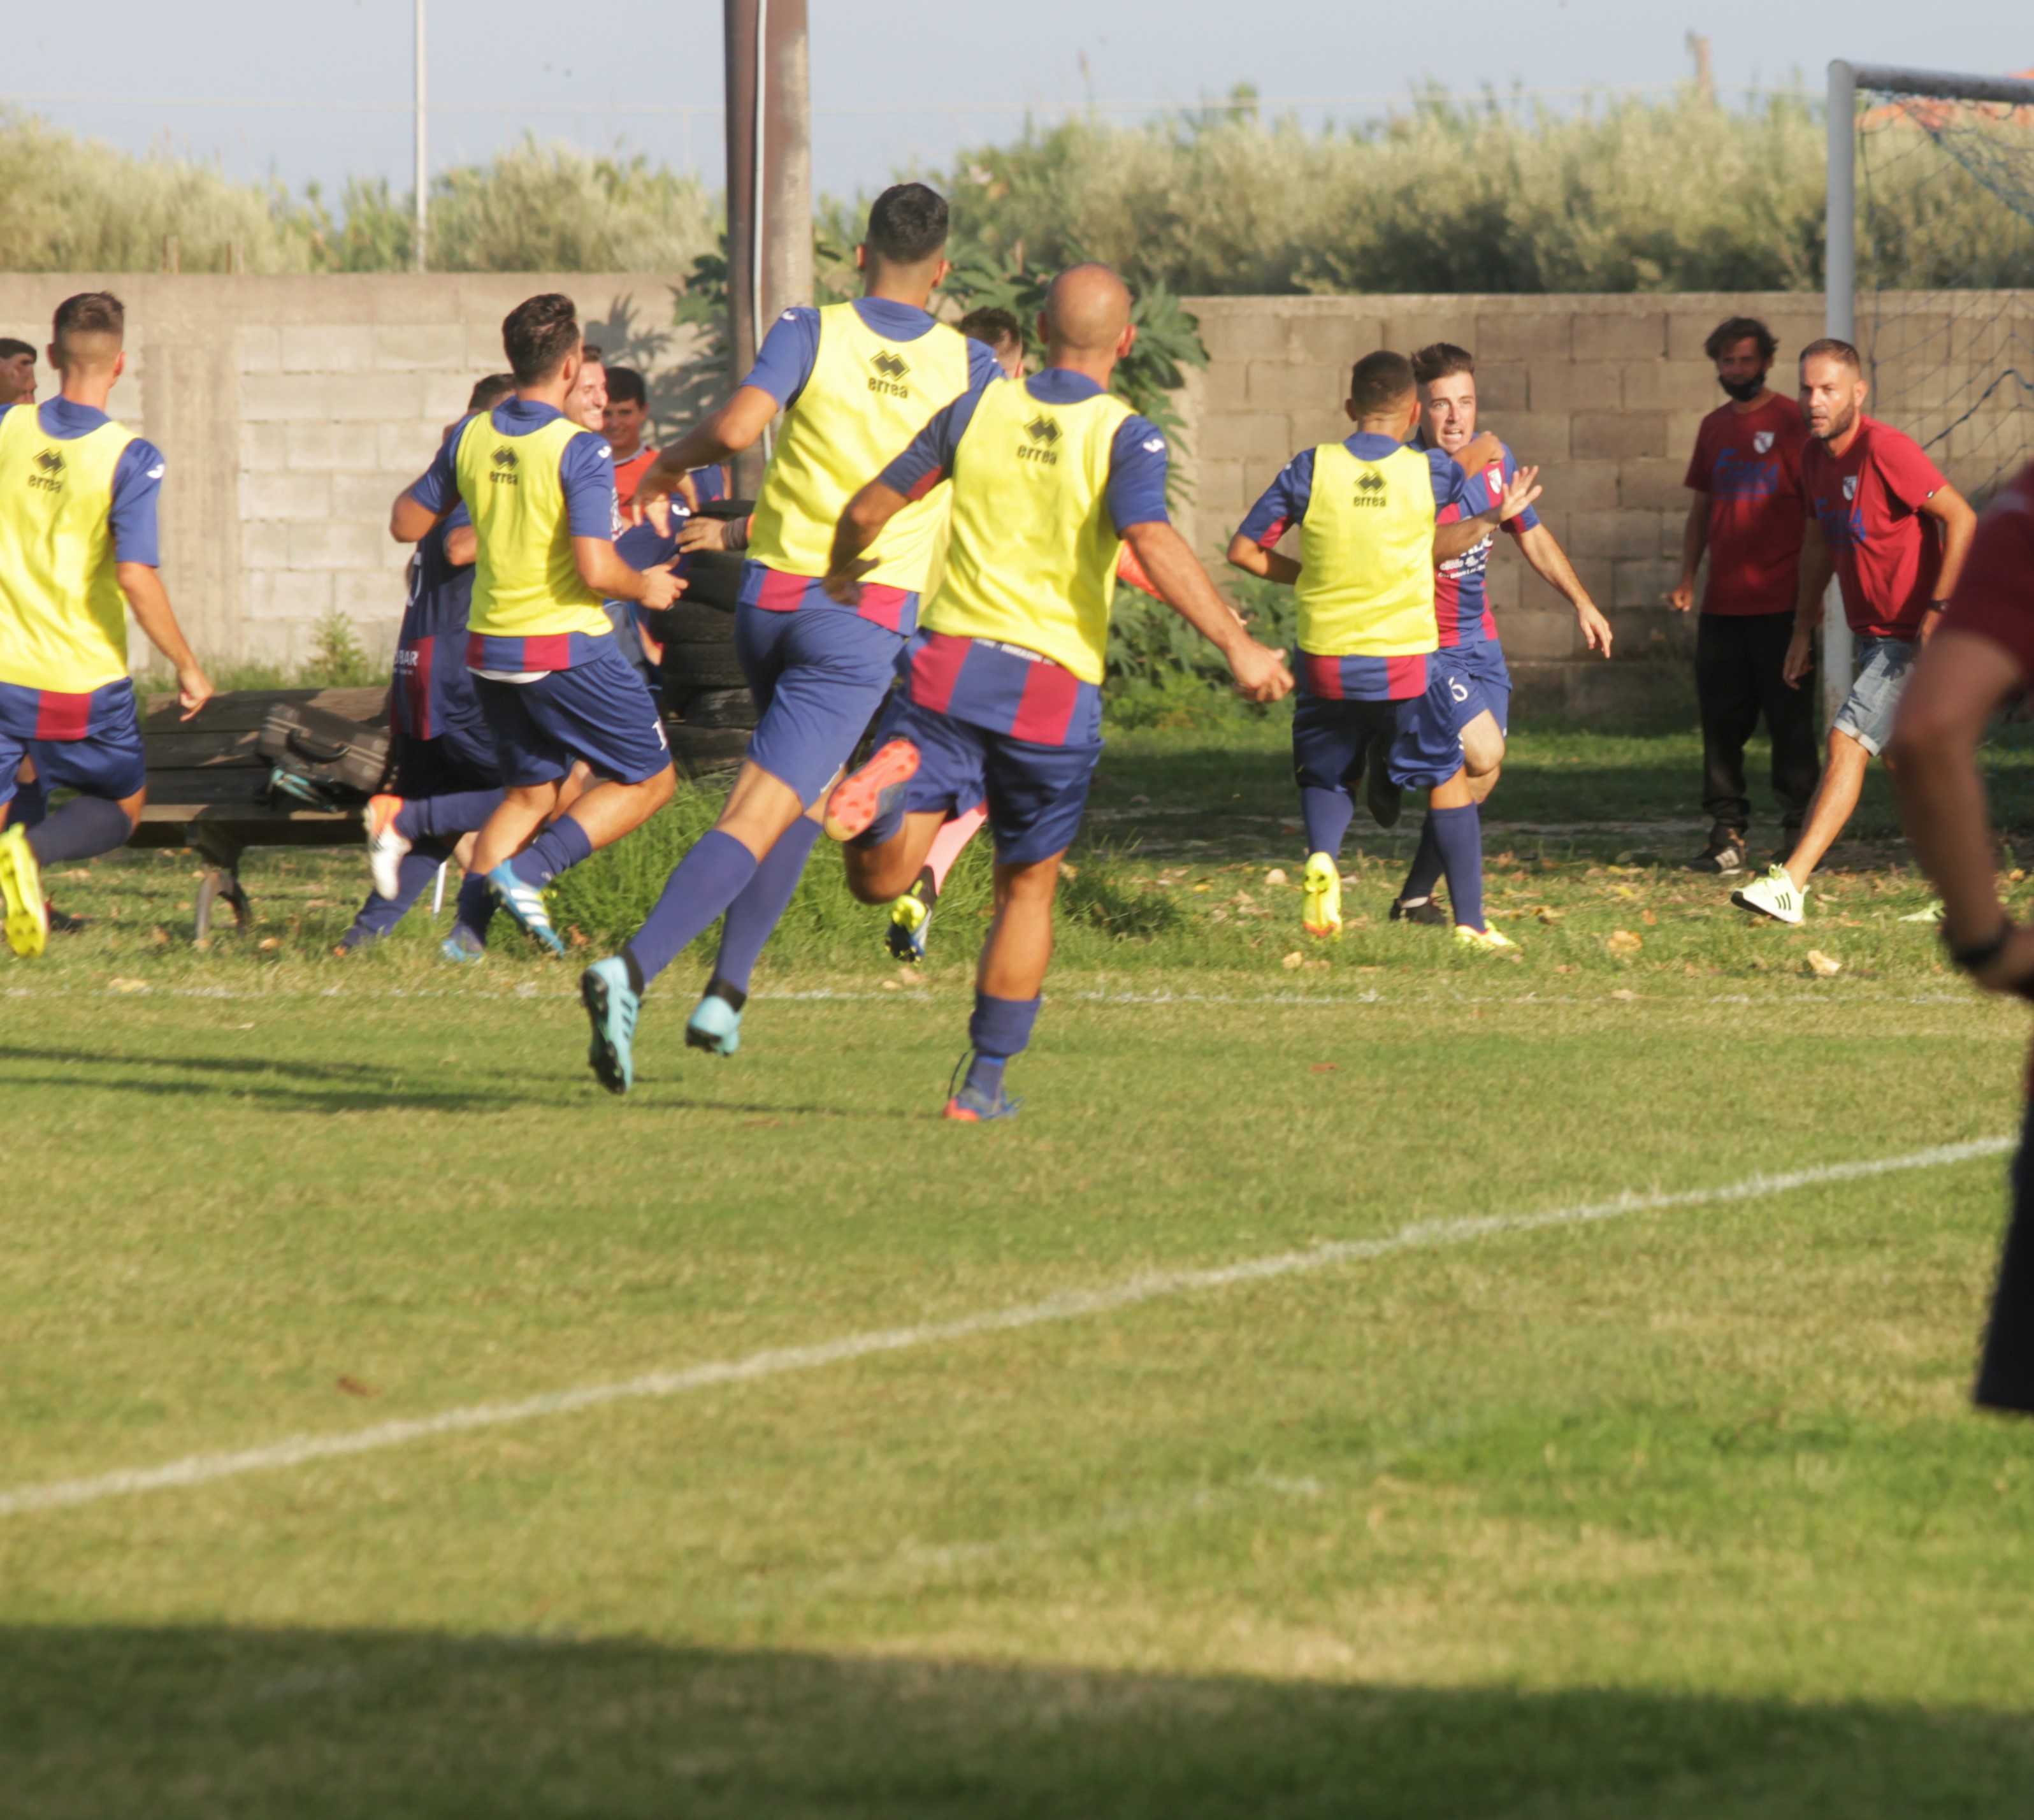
386,848
1775,895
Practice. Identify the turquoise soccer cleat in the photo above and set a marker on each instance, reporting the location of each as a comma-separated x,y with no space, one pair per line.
612,1006
969,1105
525,905
715,1026
463,946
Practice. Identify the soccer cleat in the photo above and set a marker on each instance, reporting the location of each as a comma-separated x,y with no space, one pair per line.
971,1106
1320,905
1775,895
462,945
1383,799
1426,911
27,909
866,797
612,1006
525,905
1485,940
386,848
1723,855
910,916
714,1026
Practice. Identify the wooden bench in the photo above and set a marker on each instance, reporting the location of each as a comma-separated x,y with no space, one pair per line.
209,787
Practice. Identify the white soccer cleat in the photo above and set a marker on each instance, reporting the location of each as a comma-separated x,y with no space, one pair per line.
1775,895
386,848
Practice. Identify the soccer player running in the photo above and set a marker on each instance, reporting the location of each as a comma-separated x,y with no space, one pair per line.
1746,475
1001,695
1366,509
77,522
553,687
1471,705
1875,503
1981,659
447,774
856,381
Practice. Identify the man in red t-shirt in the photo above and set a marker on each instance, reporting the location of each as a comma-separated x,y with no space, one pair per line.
1983,657
1876,505
1745,476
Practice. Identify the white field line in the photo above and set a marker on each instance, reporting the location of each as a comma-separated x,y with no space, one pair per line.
1074,1304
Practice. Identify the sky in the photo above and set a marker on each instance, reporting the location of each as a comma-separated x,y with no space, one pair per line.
304,93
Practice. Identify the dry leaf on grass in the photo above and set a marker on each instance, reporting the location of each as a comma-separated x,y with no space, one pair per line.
1625,993
124,985
1624,943
1291,963
1823,966
1276,875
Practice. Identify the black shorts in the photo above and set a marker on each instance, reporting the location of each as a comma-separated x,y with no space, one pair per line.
2005,1366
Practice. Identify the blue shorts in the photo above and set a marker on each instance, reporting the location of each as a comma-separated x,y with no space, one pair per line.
453,761
818,677
1461,685
1036,794
1880,669
597,711
1477,680
107,761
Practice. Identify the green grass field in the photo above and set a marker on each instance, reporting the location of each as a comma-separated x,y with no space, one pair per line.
1369,1380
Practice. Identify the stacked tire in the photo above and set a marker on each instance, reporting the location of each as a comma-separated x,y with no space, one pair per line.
709,713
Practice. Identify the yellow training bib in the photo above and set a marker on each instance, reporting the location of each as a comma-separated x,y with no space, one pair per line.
1032,558
1366,586
63,620
865,399
525,582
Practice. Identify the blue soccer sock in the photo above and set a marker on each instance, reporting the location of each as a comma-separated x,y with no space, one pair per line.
84,828
1426,869
703,883
753,915
30,806
475,907
461,812
1326,813
558,849
379,914
1458,834
999,1030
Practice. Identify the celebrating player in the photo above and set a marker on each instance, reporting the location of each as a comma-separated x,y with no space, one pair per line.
448,776
78,514
1366,509
1746,475
1981,658
1002,689
553,687
1869,490
855,381
1471,705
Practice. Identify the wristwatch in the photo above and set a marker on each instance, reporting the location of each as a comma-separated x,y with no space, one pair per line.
1937,605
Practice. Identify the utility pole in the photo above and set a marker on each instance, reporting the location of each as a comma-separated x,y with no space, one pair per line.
769,181
422,167
1698,48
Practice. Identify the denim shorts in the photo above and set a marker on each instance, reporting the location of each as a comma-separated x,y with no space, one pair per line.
1881,665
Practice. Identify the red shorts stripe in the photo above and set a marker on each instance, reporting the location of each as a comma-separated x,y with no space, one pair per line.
781,592
935,669
1406,676
884,604
1323,676
62,716
1046,709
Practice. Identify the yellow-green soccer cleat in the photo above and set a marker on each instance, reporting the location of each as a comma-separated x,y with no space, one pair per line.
1485,940
1320,908
28,911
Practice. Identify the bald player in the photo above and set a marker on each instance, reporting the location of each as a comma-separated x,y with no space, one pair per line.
1001,695
77,524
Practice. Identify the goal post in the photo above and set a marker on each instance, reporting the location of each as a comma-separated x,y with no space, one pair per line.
1930,222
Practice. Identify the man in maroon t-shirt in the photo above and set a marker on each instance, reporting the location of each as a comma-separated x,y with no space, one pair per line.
1870,492
1983,657
1745,476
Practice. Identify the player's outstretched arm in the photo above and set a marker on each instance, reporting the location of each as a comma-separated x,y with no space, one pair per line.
1957,684
1463,535
149,602
613,577
738,425
1179,580
860,526
1250,556
1542,549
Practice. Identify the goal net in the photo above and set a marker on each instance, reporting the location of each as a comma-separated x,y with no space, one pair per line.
1930,266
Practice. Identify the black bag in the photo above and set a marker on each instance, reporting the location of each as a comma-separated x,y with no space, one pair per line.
322,758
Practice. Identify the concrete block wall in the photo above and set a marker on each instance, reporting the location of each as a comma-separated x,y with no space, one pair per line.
291,410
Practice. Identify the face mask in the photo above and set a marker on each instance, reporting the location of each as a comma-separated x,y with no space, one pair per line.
1744,390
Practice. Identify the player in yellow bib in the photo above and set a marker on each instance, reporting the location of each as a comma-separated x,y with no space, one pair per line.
554,687
1002,691
855,382
1366,508
77,551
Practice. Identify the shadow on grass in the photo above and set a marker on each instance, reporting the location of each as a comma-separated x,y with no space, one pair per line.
220,1721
